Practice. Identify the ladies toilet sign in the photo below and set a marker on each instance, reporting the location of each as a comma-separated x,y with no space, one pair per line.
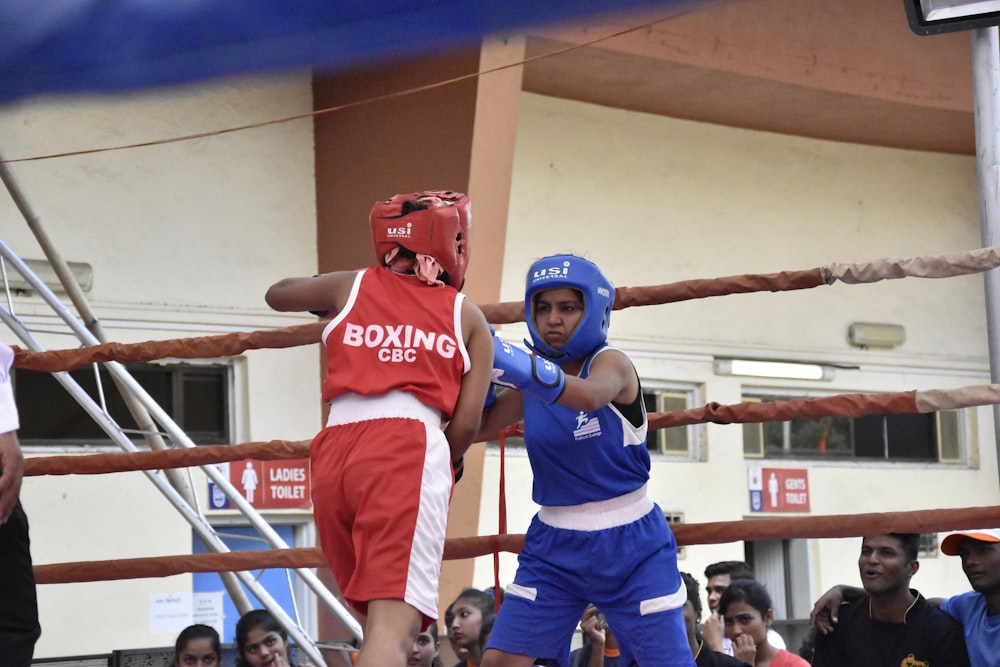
281,484
778,489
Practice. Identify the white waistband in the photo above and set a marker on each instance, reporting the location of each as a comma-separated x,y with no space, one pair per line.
599,515
353,408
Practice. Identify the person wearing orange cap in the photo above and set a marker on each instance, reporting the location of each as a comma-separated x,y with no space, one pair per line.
978,610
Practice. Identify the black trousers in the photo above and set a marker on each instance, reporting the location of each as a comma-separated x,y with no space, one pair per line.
19,627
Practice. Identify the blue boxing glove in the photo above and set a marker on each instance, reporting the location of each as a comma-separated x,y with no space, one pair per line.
491,393
528,373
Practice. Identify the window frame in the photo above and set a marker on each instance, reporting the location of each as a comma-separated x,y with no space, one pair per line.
962,423
656,440
178,373
929,544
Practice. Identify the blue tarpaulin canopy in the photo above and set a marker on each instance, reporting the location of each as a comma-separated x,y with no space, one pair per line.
59,46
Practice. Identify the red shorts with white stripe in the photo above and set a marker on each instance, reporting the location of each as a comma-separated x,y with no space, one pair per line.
380,491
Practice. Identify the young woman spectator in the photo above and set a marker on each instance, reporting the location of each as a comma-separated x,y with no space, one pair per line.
471,612
746,611
262,642
426,649
197,646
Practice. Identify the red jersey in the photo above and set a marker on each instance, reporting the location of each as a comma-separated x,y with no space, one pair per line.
397,333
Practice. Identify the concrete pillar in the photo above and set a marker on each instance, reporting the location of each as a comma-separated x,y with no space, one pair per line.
376,142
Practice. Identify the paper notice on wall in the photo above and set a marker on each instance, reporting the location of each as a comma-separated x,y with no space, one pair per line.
208,610
170,613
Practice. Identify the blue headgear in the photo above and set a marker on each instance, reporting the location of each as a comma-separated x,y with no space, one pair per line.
598,297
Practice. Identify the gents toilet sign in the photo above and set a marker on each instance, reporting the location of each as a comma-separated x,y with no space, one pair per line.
778,489
266,484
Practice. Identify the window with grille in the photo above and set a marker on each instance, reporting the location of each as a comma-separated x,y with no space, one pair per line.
931,437
929,545
680,441
196,396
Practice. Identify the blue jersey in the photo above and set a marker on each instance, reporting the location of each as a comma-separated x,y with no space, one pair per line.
581,457
982,631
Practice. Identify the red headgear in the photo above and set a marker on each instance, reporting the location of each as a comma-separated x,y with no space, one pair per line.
436,223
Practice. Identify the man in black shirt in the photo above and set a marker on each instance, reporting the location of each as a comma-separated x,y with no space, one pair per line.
892,625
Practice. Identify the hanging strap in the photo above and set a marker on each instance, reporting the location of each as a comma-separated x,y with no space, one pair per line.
502,518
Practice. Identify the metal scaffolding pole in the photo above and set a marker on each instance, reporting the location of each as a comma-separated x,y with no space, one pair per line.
74,292
205,531
179,436
986,95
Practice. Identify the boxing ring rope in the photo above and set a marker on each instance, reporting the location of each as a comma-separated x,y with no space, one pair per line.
844,405
932,266
830,526
202,347
687,534
852,405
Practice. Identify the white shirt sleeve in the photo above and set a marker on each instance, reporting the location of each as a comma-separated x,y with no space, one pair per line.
8,409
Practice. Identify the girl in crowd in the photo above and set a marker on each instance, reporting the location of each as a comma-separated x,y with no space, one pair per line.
197,646
261,641
471,611
746,610
425,649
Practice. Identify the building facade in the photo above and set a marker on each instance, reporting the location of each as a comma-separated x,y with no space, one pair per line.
184,237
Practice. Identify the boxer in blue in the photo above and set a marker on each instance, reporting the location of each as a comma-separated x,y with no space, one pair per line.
597,537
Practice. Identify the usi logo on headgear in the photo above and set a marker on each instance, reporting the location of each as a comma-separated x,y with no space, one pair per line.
551,272
399,232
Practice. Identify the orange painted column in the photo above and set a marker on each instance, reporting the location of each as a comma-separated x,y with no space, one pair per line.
379,140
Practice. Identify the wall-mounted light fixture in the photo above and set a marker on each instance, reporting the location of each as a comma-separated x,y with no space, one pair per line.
82,272
873,334
786,370
931,17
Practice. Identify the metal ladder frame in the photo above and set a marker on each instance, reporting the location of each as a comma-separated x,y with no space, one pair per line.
193,515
